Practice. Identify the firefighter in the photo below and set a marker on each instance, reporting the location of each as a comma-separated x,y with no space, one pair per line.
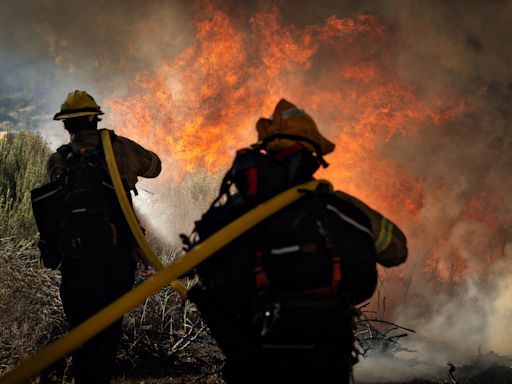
390,241
274,311
357,279
90,283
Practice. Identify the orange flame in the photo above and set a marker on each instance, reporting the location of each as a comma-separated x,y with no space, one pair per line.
201,106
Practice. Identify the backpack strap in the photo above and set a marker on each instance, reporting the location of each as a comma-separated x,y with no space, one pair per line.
262,280
71,156
66,151
260,174
323,190
261,276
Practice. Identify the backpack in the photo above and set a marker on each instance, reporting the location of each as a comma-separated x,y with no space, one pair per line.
78,215
291,278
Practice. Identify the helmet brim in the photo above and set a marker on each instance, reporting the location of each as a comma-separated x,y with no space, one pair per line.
308,129
70,115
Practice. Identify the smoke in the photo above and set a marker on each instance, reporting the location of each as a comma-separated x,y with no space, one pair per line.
51,48
459,268
460,284
450,142
501,306
170,209
460,324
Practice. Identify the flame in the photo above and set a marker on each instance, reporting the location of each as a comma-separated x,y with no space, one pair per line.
200,106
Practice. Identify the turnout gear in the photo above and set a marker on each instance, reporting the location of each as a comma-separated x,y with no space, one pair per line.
390,241
86,288
279,299
78,214
132,159
283,292
78,103
84,232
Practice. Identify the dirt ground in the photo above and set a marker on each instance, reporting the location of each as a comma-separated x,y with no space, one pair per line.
200,363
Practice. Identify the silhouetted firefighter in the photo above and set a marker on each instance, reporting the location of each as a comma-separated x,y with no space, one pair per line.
279,299
83,231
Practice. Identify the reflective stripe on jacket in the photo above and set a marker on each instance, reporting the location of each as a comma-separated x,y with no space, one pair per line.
390,241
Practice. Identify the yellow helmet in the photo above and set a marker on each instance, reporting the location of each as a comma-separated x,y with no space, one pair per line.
78,103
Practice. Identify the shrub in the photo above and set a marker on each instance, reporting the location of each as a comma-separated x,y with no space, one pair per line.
31,310
23,158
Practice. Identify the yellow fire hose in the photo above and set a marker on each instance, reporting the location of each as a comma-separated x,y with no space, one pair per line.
146,249
118,308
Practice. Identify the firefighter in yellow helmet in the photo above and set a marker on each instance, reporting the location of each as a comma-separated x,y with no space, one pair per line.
80,115
280,299
97,261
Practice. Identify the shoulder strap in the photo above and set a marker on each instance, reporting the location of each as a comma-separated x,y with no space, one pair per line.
66,151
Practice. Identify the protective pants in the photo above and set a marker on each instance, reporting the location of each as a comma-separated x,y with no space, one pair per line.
309,345
88,285
296,367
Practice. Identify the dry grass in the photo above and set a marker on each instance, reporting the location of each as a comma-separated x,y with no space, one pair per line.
159,336
23,158
29,297
31,310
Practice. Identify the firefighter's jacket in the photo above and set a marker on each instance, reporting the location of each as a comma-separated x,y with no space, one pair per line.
390,241
132,159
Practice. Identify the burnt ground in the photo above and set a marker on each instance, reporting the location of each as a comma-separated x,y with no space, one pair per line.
200,361
191,360
141,361
205,365
202,364
193,357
